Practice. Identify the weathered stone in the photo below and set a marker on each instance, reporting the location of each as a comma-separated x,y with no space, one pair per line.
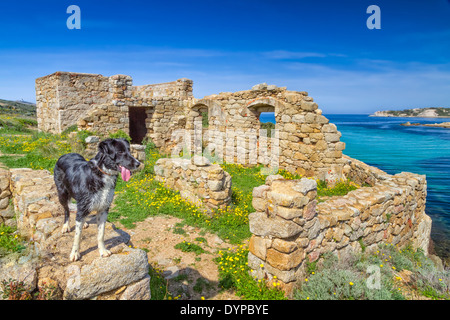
285,261
309,211
287,213
139,290
20,270
309,106
258,246
262,225
260,192
4,203
259,204
106,274
332,137
200,161
284,246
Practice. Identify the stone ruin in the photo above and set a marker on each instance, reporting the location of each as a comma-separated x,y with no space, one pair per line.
289,227
200,182
304,141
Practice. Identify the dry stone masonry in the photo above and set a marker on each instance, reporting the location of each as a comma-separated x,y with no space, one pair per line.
39,218
200,182
290,227
6,210
304,141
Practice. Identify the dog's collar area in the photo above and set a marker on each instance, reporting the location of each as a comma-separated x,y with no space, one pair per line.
109,174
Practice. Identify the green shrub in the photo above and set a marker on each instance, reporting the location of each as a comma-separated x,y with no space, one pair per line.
344,279
119,134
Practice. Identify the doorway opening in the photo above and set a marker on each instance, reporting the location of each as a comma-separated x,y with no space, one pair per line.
138,128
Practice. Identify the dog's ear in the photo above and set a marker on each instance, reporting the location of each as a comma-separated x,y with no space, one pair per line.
105,147
127,143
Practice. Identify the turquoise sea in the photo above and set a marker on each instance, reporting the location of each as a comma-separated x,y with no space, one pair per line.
384,143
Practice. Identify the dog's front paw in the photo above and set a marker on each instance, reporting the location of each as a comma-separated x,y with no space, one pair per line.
74,256
65,228
85,225
105,253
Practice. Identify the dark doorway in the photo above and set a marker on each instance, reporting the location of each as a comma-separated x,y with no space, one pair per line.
138,129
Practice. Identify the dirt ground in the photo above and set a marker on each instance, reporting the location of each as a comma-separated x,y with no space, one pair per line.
190,276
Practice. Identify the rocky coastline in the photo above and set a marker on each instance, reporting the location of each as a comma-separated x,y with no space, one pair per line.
416,112
439,125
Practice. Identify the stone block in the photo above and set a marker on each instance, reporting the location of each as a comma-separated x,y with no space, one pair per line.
308,105
259,204
287,213
284,246
284,261
104,275
262,225
258,246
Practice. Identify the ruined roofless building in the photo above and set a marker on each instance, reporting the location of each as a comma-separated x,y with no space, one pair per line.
304,142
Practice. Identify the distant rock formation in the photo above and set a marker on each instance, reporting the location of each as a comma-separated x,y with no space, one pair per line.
417,112
440,125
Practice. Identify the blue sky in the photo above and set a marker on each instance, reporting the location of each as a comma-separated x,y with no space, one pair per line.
322,47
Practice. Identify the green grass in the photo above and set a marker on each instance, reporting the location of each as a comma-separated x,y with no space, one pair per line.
234,273
38,150
341,188
143,196
17,108
190,247
9,241
158,285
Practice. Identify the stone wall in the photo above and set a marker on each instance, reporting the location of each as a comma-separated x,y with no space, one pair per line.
304,143
164,107
136,150
179,89
39,219
290,227
62,98
361,173
202,183
6,210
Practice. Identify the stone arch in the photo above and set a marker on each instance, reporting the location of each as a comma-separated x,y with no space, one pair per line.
197,114
267,138
266,104
203,130
216,115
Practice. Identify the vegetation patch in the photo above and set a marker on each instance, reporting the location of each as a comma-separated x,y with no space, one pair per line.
380,275
10,241
234,273
341,188
190,247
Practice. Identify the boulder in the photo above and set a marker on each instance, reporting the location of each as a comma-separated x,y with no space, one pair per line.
106,274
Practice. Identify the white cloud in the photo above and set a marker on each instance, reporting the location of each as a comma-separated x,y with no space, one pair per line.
358,86
283,54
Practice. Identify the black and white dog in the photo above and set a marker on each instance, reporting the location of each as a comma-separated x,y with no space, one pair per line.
92,183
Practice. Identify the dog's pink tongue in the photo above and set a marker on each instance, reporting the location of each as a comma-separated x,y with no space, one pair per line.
126,174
